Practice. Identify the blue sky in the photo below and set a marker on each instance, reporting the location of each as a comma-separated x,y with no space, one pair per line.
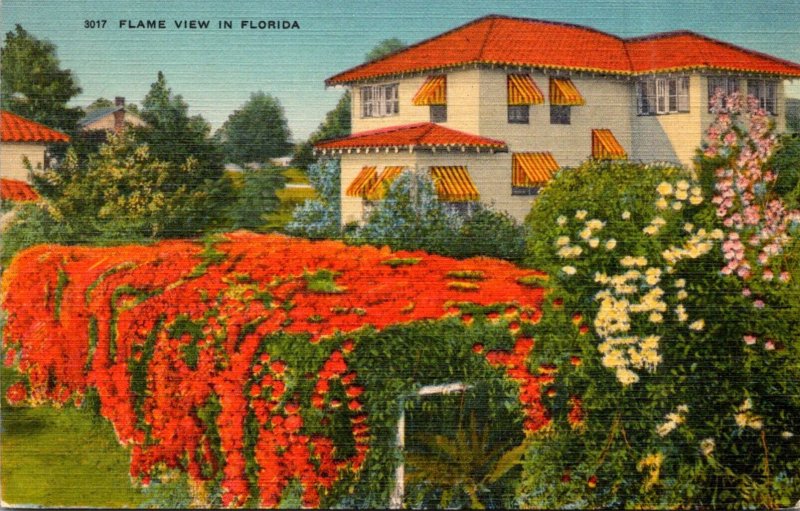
216,70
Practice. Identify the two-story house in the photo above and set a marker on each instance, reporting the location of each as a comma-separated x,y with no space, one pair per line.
493,108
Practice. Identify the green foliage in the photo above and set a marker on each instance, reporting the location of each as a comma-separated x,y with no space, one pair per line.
33,224
411,217
256,132
793,115
785,162
257,198
384,48
320,217
337,124
121,194
33,83
701,375
174,137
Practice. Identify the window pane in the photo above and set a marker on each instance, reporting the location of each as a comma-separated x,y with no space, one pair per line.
518,114
673,94
683,94
438,113
559,114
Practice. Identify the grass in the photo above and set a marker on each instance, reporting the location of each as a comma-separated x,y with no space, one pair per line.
62,457
295,176
290,199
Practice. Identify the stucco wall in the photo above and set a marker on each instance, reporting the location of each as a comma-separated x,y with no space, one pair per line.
11,154
491,174
608,105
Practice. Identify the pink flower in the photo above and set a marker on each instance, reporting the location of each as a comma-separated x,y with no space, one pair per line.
784,276
767,275
769,345
750,339
758,304
746,292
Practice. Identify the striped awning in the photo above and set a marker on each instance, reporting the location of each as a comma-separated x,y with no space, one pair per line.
363,182
453,184
564,93
378,189
522,90
606,147
432,92
532,169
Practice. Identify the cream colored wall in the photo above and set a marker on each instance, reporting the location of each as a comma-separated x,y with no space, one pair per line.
464,96
491,174
107,122
11,154
671,137
408,112
608,105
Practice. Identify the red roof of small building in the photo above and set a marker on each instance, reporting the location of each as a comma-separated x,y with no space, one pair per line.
424,134
14,128
17,191
503,40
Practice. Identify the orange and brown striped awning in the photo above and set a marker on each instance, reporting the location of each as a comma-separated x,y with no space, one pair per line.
522,90
378,189
432,92
606,147
564,93
532,169
453,184
362,183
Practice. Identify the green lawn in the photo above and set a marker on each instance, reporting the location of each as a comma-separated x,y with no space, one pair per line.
290,199
295,176
62,457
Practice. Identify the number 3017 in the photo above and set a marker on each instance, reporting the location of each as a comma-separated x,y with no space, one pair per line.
94,23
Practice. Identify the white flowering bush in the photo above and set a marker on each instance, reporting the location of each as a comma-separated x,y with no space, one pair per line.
678,372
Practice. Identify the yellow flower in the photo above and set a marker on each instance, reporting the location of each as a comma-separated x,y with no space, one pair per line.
650,230
682,295
696,191
610,244
626,215
586,234
562,240
680,283
697,325
688,227
682,185
653,276
626,376
600,278
595,224
664,188
658,222
707,446
661,203
681,194
677,206
680,311
656,317
569,270
694,200
581,214
561,220
594,242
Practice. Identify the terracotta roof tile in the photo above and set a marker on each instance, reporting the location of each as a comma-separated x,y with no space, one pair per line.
425,134
17,191
14,128
510,41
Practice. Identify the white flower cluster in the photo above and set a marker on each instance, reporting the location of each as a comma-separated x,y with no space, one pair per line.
746,418
698,245
681,192
673,420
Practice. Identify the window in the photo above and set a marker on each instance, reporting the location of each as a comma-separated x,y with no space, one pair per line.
438,113
518,114
766,92
380,100
662,95
726,84
560,114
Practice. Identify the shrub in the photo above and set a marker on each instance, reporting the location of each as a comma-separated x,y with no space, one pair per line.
320,218
33,224
256,198
678,382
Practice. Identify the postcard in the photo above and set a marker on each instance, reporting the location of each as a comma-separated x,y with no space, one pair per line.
400,254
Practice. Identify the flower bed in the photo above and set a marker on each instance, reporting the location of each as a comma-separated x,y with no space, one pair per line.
234,361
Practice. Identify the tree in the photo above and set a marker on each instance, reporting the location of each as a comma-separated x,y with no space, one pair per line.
256,132
33,83
98,104
384,48
123,193
172,136
336,124
256,198
320,218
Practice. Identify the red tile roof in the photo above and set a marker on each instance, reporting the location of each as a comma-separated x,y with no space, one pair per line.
17,191
510,41
425,134
14,128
